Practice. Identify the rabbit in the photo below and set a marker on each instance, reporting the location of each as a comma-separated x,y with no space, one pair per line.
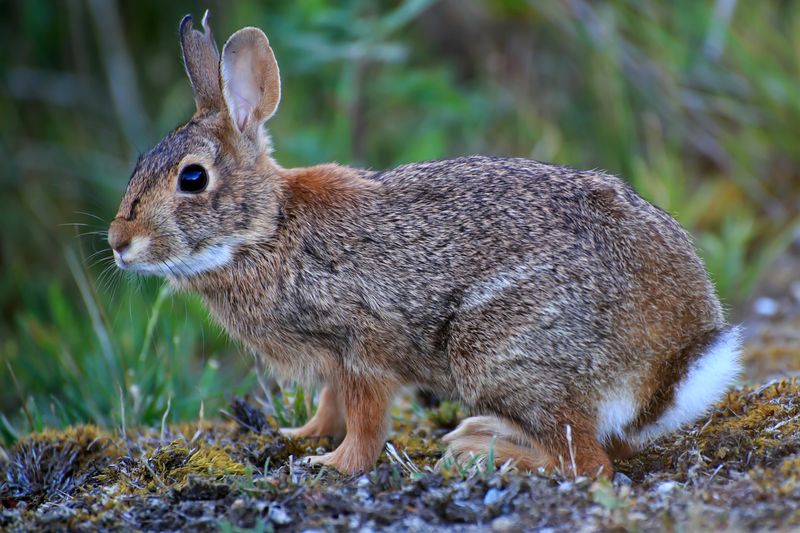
573,318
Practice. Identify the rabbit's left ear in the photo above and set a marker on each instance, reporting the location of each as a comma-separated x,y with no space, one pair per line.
251,82
201,59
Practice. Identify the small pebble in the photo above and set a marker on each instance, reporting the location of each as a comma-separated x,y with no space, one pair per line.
766,306
278,516
666,487
565,486
505,524
492,497
622,479
795,288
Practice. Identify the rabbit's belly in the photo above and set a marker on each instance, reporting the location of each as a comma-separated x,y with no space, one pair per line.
617,409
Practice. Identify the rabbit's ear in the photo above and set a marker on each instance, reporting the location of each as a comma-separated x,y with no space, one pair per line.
201,59
251,82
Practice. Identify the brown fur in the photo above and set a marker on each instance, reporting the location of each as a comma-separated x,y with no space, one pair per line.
526,290
577,448
529,457
658,385
328,186
478,434
575,451
619,449
366,404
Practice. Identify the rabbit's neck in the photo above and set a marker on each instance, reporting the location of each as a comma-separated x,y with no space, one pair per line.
329,186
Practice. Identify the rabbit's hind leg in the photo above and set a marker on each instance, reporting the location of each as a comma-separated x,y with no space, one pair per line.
575,445
328,420
485,436
575,453
617,448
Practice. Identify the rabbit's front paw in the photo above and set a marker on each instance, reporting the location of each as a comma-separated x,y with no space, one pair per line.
328,421
313,431
319,426
292,433
307,430
348,459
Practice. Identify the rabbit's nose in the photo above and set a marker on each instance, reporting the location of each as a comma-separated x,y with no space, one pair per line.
118,239
120,248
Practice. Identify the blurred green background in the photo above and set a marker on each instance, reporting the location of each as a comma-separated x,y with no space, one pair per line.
696,103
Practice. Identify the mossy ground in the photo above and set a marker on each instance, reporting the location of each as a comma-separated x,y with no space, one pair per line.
739,468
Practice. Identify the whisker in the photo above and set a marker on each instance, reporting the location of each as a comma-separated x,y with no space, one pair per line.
107,261
105,277
98,230
91,215
102,233
166,264
185,265
95,253
103,273
116,281
79,224
102,238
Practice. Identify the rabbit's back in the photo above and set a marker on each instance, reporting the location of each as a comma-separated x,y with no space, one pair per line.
452,233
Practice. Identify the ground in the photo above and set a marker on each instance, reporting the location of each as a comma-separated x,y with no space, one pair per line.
736,469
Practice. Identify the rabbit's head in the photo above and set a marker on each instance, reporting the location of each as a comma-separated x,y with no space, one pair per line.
209,186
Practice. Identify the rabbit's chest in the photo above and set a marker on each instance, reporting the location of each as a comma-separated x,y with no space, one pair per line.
292,338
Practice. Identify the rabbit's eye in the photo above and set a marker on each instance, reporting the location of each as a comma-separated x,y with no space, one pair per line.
193,179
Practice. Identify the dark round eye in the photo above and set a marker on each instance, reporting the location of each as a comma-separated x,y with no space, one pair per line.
193,179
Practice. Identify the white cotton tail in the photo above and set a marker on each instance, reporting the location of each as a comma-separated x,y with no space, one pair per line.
708,378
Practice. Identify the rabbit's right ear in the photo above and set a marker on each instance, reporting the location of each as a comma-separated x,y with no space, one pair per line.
201,59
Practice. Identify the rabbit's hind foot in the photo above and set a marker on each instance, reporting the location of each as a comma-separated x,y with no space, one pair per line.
577,453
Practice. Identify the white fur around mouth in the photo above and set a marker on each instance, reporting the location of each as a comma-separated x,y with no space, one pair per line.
209,258
137,246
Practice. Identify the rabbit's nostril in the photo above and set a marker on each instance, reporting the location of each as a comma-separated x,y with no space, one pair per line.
121,247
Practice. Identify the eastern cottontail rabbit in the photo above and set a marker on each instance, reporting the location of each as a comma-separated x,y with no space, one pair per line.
574,315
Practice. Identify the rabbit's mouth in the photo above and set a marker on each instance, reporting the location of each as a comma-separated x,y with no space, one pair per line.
126,255
210,257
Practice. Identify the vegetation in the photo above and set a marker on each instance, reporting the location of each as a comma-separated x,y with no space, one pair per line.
695,103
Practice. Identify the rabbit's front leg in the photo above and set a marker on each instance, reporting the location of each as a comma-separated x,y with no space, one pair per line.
328,420
366,402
